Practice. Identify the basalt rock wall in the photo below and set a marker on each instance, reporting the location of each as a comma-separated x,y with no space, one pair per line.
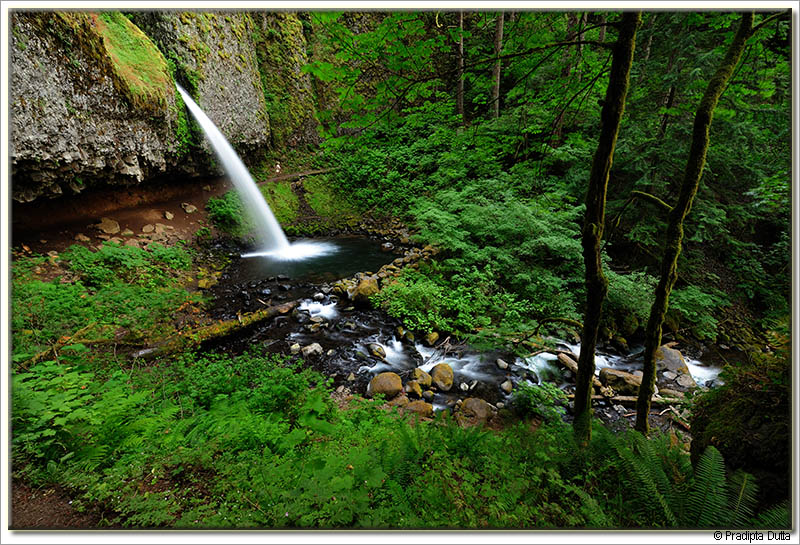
93,103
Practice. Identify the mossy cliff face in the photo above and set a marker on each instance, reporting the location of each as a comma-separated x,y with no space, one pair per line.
214,59
91,103
281,49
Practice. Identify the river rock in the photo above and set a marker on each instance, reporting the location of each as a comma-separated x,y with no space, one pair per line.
149,228
464,387
687,381
127,233
507,386
168,215
377,350
622,382
413,389
388,384
108,226
473,411
670,359
295,348
351,377
365,289
399,401
442,376
423,378
502,365
80,237
431,338
319,296
419,407
188,208
312,350
428,396
387,246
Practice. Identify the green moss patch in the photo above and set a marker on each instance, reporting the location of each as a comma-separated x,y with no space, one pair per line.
282,200
137,62
331,206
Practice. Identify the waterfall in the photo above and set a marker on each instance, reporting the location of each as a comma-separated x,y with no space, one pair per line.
268,230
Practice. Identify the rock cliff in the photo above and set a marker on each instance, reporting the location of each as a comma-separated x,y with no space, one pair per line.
93,103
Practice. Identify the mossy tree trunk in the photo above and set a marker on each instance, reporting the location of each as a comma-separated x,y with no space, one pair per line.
596,283
460,89
498,48
672,245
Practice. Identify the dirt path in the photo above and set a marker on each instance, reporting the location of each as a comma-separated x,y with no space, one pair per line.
46,509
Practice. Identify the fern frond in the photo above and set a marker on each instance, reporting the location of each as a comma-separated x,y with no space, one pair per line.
707,499
742,497
640,473
777,517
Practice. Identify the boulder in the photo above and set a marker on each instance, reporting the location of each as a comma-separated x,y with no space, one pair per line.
365,289
442,376
388,384
419,407
423,378
687,381
431,338
622,382
108,226
376,350
312,350
670,359
507,386
427,395
400,401
413,389
473,411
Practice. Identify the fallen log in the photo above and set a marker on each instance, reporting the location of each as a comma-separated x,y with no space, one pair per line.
295,175
189,339
631,400
567,361
79,337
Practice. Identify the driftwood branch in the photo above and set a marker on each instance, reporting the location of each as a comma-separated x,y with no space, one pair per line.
190,339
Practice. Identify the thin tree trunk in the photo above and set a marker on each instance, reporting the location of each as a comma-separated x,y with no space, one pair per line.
498,47
594,219
601,37
689,186
460,89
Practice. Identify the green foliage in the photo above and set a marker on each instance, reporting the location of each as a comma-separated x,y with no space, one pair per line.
228,215
149,267
754,402
543,400
118,286
699,309
282,201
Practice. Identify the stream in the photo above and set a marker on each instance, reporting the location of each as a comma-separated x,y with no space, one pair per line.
358,343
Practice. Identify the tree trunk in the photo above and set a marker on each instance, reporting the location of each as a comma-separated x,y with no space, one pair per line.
601,37
498,47
689,186
594,219
460,88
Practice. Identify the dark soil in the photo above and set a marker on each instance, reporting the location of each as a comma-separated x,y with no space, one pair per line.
46,509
